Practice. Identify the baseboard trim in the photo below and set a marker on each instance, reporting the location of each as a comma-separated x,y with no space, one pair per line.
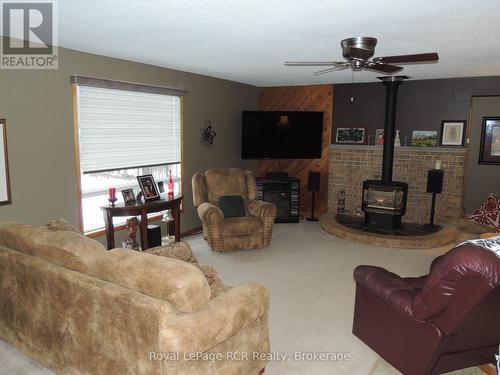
192,232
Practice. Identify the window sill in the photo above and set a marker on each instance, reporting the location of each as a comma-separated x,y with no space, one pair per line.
102,232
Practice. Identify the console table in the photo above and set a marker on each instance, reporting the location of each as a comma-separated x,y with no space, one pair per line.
142,209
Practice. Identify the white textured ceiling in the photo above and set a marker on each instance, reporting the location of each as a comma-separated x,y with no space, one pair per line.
247,41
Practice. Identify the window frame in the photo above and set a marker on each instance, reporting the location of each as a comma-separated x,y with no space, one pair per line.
127,86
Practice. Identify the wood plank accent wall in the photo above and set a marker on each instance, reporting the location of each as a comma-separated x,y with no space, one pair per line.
302,98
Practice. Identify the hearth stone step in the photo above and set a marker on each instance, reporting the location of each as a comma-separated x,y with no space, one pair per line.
415,237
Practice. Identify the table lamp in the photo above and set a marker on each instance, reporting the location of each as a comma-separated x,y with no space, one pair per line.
167,218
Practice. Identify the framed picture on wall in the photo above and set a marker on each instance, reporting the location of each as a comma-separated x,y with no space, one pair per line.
490,141
5,197
424,138
350,135
453,133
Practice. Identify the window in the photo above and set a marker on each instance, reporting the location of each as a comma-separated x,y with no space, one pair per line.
124,131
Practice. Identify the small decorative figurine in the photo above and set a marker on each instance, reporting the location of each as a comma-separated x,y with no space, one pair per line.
131,240
358,212
397,141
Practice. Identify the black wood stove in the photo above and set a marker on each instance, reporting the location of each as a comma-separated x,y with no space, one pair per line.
384,202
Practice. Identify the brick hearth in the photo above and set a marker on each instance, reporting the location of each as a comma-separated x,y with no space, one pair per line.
350,165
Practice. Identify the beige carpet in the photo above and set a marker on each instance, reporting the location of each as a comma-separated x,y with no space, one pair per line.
309,275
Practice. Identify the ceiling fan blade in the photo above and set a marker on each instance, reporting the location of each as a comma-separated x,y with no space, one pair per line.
341,67
360,53
408,59
384,68
311,63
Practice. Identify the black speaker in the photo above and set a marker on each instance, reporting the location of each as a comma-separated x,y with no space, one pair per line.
313,181
435,181
154,235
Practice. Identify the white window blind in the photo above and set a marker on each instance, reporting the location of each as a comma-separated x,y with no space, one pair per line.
120,129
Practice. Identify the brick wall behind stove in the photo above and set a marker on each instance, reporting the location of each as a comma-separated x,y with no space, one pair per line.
350,165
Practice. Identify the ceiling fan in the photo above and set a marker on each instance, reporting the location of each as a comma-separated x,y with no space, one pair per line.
358,52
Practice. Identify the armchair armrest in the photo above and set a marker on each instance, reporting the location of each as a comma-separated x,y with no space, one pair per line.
209,212
261,209
212,219
267,212
394,290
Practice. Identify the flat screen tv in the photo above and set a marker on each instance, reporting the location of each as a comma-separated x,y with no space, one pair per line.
281,135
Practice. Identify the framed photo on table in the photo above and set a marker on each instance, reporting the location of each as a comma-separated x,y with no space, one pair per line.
350,135
490,141
148,187
453,133
128,196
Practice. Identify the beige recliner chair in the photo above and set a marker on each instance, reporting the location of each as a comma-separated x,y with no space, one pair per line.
225,234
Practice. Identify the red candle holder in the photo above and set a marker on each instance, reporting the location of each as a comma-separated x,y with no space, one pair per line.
112,196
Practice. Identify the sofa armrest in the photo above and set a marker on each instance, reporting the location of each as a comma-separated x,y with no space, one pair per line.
221,318
394,290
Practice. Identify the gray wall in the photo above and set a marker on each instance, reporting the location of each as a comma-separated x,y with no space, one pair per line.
38,108
422,105
481,179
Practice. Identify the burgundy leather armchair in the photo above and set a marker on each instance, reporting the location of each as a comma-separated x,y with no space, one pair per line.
444,321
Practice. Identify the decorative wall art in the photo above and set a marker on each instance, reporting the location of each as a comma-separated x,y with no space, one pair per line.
208,134
490,141
350,135
424,138
453,133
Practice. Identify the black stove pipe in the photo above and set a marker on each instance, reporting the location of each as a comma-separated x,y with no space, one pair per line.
391,85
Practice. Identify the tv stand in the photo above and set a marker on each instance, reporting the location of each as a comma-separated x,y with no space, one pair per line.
284,194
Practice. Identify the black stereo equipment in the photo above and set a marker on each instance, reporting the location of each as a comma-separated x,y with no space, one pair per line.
435,179
284,194
280,176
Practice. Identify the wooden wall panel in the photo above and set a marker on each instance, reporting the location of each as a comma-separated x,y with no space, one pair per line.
302,98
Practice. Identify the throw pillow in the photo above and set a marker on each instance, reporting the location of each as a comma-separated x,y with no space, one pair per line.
488,212
232,206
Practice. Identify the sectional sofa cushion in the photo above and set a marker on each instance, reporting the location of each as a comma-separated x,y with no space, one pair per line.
65,248
180,283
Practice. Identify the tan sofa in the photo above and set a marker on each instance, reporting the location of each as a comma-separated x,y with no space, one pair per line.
226,234
78,309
